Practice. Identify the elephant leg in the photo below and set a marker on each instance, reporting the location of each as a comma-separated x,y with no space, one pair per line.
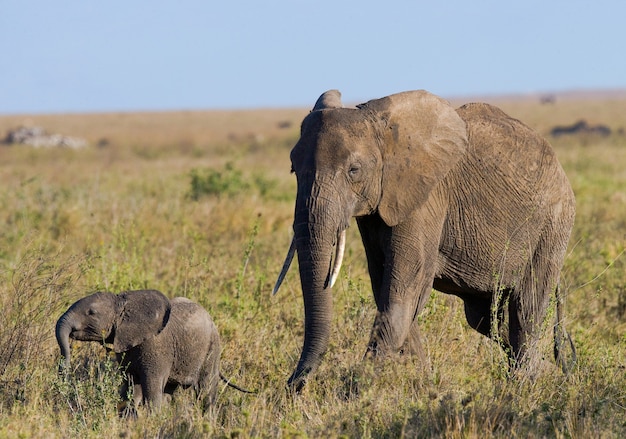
152,387
524,331
208,381
123,391
206,389
123,406
528,305
479,313
396,328
413,343
137,394
406,287
374,232
402,268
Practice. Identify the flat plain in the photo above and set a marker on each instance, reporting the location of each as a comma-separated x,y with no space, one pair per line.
199,204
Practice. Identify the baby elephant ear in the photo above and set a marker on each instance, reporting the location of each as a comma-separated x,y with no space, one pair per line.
143,314
423,137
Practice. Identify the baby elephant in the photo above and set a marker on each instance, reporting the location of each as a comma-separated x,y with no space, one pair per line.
161,343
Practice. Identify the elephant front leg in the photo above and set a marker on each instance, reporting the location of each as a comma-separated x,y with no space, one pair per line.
152,388
401,266
396,329
405,290
130,397
385,337
413,343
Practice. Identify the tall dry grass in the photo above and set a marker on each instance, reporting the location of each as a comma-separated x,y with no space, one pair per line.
200,204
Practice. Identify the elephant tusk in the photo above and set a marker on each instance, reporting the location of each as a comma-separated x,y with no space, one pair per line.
288,259
341,247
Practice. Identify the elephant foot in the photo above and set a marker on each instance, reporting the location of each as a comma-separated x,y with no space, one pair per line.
383,339
376,350
413,344
126,410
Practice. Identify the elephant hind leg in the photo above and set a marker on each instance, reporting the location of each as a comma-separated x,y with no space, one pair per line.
524,335
479,313
529,305
206,390
137,394
209,376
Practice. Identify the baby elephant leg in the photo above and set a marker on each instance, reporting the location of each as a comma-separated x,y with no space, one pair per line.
209,378
125,408
152,390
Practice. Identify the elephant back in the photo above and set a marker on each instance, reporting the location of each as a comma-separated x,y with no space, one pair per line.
518,155
190,313
193,339
189,320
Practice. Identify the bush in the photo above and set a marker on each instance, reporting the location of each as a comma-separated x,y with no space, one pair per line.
229,182
35,298
226,182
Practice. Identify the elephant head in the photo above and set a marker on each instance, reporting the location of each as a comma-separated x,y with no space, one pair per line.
385,157
125,320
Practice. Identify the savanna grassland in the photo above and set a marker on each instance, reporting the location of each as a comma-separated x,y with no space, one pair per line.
200,204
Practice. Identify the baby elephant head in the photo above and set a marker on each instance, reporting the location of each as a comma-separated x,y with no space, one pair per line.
125,320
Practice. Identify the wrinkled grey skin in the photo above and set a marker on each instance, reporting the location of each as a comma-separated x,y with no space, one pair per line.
469,202
161,344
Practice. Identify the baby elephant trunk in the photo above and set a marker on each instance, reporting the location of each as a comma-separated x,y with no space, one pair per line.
63,330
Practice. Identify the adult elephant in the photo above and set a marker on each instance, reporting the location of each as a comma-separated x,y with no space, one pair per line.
469,202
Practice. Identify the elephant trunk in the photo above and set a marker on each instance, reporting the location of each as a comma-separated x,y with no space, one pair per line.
340,248
63,330
314,264
315,238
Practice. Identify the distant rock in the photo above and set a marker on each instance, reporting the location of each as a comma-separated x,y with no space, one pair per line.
37,137
581,127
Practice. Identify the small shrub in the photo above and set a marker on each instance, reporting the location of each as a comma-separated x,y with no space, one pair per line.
36,285
226,182
90,393
229,182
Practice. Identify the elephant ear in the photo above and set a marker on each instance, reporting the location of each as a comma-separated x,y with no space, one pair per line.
423,138
142,315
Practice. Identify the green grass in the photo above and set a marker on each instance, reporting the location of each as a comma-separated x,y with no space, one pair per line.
209,218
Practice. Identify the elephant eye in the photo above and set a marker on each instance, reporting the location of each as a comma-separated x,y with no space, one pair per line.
91,311
354,170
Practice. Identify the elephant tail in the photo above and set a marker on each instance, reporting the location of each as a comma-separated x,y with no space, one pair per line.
236,387
562,338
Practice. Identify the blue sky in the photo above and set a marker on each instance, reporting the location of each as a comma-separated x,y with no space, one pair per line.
127,55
